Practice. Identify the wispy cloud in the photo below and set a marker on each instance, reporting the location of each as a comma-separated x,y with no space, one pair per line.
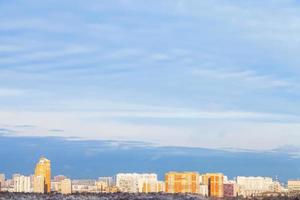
159,71
247,76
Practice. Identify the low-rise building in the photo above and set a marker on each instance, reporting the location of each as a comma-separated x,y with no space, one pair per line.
84,185
294,186
254,186
230,189
137,183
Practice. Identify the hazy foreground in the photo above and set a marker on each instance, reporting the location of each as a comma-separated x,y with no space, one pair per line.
116,196
120,196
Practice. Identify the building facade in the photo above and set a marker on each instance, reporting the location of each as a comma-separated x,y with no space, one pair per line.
229,190
43,169
254,186
182,182
294,186
22,184
137,183
66,186
215,184
39,184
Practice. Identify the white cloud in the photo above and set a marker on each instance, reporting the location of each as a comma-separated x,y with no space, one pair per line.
247,76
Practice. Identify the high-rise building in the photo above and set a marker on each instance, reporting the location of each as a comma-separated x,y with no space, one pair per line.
43,168
39,184
22,184
182,182
66,186
134,183
215,184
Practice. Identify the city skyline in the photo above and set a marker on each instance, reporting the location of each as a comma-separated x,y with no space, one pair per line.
212,184
91,159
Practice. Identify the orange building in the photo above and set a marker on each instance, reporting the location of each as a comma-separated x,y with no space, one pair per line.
215,184
43,169
182,182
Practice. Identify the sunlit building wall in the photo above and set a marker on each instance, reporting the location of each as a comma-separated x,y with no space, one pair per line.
134,183
43,168
294,186
39,184
22,184
215,184
182,182
160,186
66,186
102,186
253,186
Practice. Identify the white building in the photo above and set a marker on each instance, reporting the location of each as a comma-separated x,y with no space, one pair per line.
22,184
66,186
81,186
203,190
254,186
294,186
137,183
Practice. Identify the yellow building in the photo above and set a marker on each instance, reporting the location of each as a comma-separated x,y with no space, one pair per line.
66,186
43,169
102,186
182,182
160,186
215,184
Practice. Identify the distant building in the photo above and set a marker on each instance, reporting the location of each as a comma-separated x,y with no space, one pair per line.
229,189
294,186
66,186
254,186
182,182
102,186
15,175
43,169
8,186
215,184
84,185
59,178
39,184
2,181
203,190
22,184
56,186
134,183
108,180
160,186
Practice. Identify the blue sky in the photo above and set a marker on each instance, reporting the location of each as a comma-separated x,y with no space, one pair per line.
213,74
